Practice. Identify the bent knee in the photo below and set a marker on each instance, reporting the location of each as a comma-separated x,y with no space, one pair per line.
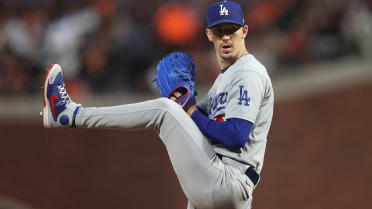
168,105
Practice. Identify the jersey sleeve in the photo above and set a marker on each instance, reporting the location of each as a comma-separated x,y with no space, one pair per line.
245,96
233,133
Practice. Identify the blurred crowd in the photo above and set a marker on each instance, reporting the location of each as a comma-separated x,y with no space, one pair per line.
114,45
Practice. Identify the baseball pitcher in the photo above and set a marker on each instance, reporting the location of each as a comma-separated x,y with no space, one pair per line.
216,147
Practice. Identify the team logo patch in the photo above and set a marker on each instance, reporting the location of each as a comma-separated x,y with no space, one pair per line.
243,98
223,10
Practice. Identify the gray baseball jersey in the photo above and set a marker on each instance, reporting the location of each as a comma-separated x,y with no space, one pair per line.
243,91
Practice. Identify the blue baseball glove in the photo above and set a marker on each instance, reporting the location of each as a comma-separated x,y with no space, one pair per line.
175,73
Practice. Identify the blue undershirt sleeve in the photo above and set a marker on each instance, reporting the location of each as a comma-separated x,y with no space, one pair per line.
233,133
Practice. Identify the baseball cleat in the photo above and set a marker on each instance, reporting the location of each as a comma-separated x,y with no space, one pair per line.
59,110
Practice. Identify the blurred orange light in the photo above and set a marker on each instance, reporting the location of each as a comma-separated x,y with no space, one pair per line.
176,23
105,7
263,15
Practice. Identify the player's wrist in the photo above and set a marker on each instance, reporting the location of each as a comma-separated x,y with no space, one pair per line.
191,109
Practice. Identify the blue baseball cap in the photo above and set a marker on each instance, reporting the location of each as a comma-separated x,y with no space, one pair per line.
225,12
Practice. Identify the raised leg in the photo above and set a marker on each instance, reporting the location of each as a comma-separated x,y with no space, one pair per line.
199,171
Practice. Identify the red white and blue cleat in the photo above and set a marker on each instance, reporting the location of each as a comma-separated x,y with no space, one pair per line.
59,110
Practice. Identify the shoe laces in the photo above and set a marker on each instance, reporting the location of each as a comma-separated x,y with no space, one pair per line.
63,93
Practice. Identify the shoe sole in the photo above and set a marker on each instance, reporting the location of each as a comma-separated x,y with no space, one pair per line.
53,71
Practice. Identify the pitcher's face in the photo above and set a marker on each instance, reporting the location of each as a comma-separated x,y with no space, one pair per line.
228,40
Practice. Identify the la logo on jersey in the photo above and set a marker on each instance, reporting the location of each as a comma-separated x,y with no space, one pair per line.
223,10
243,98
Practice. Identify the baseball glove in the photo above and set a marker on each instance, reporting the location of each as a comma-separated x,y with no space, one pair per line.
175,73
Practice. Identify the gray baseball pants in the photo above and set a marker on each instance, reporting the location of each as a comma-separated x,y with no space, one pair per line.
206,181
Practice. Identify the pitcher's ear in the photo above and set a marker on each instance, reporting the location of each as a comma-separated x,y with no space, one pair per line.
245,31
209,34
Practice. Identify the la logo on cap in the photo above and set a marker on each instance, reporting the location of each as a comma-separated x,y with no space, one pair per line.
223,10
